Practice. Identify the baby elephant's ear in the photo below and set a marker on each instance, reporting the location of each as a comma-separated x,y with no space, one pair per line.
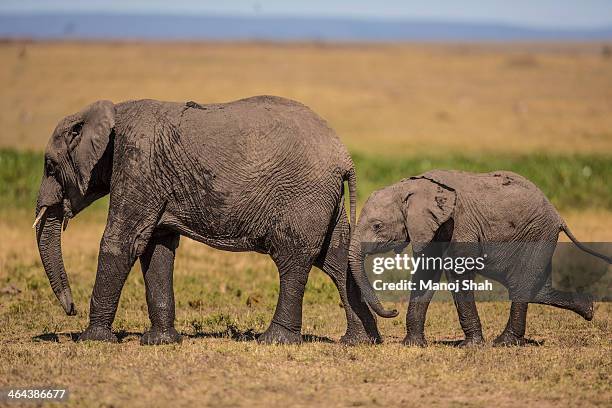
89,138
426,206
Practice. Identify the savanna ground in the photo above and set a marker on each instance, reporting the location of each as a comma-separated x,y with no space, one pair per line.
540,110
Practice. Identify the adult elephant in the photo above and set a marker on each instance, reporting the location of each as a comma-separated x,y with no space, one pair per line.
262,174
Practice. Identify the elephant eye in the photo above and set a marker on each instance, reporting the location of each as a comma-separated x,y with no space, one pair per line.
50,168
76,129
377,226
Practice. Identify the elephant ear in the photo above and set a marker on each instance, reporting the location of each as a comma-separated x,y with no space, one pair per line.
426,206
89,139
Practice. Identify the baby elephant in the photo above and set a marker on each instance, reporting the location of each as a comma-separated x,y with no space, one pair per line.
452,213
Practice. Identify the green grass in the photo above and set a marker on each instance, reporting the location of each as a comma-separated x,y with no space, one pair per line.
569,181
20,176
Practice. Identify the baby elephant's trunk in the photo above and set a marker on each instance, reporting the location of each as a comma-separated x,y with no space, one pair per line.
358,271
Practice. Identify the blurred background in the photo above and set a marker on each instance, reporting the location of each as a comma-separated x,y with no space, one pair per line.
478,84
408,86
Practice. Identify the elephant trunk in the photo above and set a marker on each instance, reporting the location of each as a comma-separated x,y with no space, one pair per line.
358,271
48,237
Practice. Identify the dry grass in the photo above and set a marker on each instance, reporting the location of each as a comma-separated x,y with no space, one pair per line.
386,99
396,99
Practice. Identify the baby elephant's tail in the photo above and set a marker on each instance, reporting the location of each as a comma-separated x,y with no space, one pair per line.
571,236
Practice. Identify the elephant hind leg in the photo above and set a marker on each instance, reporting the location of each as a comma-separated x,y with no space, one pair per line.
295,244
525,278
514,333
286,324
361,324
579,303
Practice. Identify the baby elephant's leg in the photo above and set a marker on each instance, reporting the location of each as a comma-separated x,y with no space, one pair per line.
525,277
514,333
157,263
420,298
466,310
579,303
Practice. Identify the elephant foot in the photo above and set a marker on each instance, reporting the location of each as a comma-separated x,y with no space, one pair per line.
585,308
277,334
352,338
507,339
414,340
155,337
472,341
98,333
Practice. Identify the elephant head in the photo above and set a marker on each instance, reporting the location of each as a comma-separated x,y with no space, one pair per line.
76,172
412,210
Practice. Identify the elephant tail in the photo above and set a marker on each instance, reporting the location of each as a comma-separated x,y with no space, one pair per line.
571,236
352,185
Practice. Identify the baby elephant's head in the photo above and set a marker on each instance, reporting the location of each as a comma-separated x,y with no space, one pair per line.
412,210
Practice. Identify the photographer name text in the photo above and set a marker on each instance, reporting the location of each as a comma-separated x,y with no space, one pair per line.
406,285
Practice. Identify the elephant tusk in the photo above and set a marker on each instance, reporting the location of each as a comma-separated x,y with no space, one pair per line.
39,217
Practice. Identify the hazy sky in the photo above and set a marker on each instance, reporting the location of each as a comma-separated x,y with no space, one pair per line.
535,13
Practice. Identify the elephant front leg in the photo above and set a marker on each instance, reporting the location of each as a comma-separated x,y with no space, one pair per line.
466,311
124,239
114,264
420,297
157,263
286,324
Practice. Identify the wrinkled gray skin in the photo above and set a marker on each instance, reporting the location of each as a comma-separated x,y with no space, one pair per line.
261,174
452,206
